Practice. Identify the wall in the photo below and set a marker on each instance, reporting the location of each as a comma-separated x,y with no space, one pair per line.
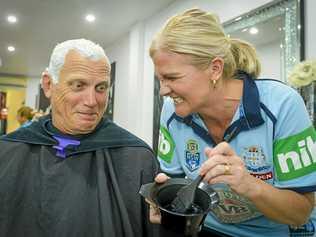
15,89
15,99
32,92
269,55
310,29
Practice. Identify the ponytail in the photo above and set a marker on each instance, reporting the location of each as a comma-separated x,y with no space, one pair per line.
245,56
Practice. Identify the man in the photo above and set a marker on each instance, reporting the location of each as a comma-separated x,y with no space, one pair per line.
73,172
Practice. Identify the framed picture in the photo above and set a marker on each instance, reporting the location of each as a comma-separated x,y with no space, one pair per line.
158,102
110,109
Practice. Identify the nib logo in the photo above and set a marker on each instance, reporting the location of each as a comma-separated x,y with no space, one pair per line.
295,157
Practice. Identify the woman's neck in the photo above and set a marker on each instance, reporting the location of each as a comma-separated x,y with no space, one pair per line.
223,104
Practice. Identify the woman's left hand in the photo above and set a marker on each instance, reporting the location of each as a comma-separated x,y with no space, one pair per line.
224,166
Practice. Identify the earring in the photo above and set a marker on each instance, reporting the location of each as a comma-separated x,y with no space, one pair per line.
214,83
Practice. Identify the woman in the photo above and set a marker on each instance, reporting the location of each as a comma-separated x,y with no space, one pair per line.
251,139
24,116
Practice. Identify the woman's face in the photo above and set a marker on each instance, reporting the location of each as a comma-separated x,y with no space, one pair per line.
188,86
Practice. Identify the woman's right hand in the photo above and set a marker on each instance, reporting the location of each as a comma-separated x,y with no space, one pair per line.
154,213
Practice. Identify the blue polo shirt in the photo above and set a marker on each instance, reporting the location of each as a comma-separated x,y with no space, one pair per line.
271,131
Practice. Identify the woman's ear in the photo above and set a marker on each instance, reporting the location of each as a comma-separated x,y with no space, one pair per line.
217,67
47,84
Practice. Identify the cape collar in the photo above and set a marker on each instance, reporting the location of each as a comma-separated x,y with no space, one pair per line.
106,135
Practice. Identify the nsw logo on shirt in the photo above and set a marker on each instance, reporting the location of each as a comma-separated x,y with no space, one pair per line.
295,156
192,155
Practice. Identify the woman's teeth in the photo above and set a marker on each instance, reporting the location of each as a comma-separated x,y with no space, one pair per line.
177,100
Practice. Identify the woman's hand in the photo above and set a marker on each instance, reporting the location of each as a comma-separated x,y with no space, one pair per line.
154,213
224,166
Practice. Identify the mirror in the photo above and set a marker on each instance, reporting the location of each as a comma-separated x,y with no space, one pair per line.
277,32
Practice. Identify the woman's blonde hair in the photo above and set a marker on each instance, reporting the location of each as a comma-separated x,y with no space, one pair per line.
245,56
26,112
199,34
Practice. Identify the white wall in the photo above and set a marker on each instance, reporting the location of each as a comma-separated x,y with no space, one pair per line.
31,92
269,55
310,29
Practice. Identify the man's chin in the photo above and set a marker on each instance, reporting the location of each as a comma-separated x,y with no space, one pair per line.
86,127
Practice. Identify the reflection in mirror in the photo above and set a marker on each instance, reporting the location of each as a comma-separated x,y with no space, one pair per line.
274,30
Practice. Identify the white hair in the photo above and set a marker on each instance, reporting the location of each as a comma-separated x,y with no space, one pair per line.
86,48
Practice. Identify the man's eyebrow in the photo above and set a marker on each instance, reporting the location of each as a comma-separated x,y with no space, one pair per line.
106,83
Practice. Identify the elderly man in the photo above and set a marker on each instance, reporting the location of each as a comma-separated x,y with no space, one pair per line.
73,172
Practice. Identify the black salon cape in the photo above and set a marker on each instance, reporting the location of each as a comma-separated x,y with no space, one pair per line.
93,192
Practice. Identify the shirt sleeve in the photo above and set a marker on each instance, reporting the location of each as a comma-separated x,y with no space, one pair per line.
294,147
167,154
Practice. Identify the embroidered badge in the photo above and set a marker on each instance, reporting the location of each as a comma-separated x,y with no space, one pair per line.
256,163
233,208
166,145
192,155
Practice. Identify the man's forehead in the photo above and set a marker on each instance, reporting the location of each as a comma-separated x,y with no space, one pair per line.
74,56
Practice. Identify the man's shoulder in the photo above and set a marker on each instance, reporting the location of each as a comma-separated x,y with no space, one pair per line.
111,133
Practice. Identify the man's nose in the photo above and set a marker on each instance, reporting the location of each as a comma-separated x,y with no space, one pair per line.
164,88
90,97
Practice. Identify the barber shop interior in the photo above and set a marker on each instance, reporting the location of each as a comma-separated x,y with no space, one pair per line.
168,64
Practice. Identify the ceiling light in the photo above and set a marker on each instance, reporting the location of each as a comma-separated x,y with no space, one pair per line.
244,30
11,49
12,19
238,18
253,30
90,18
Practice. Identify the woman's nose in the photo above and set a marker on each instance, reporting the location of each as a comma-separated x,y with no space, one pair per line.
164,88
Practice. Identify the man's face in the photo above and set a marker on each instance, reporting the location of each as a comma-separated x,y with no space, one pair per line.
80,97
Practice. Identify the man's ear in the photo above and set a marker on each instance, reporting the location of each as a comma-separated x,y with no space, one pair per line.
47,84
217,67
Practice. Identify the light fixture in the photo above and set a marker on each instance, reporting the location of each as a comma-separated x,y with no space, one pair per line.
11,48
12,19
238,18
90,18
244,30
253,30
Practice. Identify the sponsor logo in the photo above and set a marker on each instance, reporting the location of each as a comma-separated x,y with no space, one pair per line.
295,156
192,155
166,145
265,176
256,163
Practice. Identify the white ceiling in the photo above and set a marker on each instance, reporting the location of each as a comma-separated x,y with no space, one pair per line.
43,23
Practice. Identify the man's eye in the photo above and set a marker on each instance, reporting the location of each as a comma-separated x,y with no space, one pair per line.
101,88
76,85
